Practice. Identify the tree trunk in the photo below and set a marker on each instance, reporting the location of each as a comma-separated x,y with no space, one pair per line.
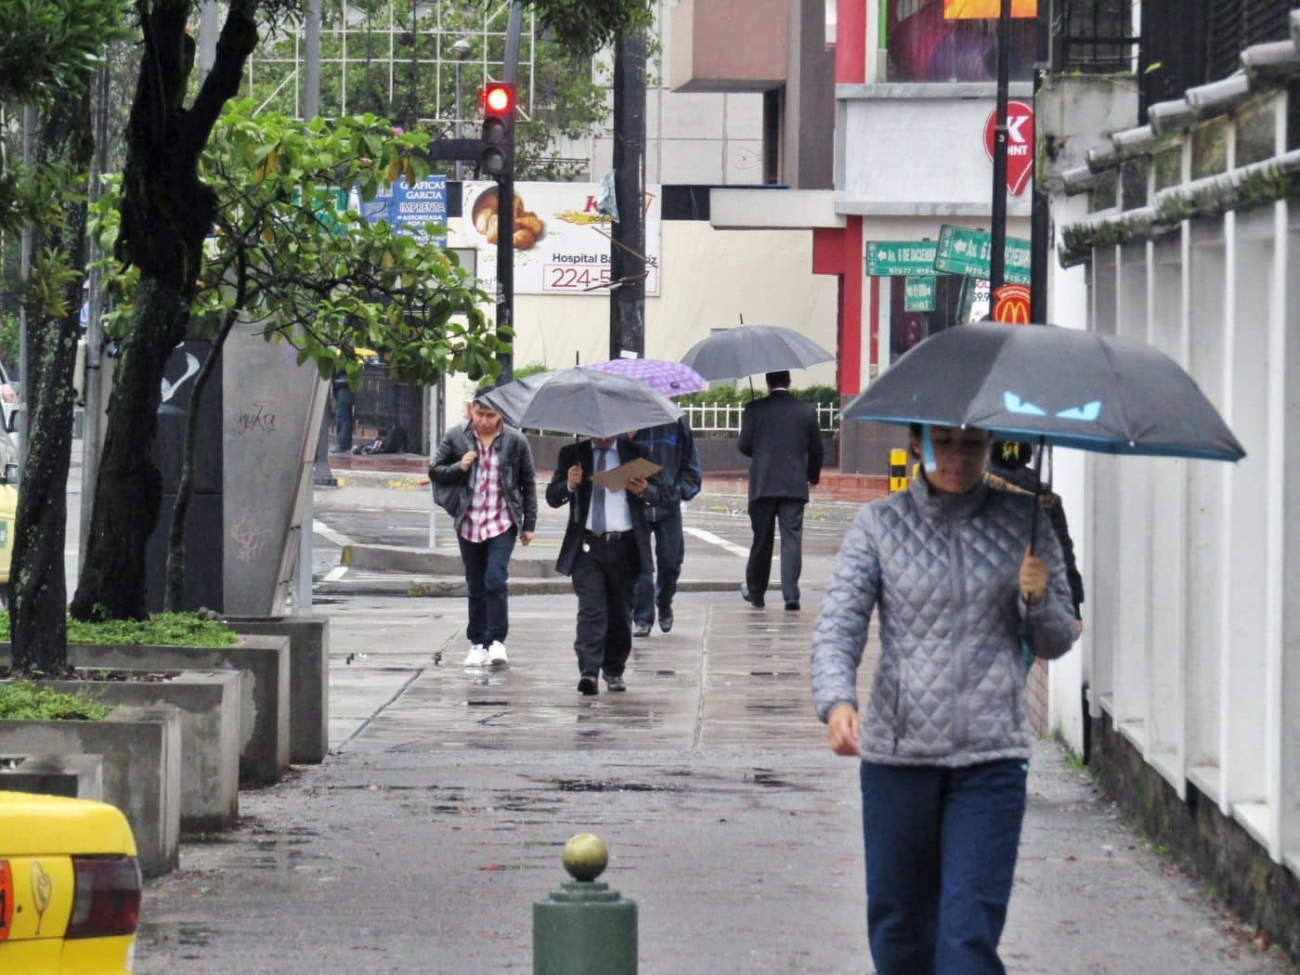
173,599
167,211
38,584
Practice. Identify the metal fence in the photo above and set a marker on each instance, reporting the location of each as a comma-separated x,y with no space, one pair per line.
723,419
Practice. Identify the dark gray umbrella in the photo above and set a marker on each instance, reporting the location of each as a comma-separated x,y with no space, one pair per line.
747,350
581,401
1058,386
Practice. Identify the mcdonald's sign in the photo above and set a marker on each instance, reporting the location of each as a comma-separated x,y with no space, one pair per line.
1011,305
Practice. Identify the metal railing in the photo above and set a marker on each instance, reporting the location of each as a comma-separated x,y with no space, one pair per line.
724,418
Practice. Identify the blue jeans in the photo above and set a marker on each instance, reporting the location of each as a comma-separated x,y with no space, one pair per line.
487,578
941,848
670,550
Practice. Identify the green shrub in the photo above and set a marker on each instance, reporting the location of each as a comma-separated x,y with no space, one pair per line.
23,700
166,629
532,369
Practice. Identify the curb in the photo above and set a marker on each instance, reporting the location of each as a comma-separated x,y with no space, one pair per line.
454,587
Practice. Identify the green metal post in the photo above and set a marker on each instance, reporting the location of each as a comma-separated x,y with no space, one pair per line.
584,928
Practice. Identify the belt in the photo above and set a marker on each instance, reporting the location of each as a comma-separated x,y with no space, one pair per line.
607,536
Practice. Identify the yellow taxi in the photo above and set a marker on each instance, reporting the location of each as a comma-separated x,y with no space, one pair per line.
69,886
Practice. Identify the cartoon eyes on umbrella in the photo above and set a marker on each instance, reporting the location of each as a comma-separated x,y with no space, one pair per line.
1015,404
1088,412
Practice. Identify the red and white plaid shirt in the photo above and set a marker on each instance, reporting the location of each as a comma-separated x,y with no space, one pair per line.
487,516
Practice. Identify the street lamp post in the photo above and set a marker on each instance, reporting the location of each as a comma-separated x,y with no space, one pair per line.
461,50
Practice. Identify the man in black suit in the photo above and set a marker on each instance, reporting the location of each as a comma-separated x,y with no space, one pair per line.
606,545
781,434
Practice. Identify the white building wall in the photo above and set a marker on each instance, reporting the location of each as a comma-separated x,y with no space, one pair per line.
1192,642
691,137
710,278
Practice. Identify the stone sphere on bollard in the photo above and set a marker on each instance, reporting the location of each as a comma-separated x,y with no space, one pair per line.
585,857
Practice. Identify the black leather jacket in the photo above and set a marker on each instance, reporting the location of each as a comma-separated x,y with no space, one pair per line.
452,486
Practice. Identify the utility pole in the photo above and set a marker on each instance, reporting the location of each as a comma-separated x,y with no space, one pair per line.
997,259
506,206
93,381
627,260
1040,223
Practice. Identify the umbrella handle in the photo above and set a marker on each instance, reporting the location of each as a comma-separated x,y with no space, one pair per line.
1038,495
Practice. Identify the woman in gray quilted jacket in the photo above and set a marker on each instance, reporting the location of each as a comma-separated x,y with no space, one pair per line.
944,742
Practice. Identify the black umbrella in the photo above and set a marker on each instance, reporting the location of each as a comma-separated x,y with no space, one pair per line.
1057,386
580,401
747,350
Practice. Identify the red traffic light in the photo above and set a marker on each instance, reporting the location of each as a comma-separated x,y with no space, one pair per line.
499,98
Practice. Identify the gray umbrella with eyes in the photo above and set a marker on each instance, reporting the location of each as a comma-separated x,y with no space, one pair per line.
1057,386
1053,386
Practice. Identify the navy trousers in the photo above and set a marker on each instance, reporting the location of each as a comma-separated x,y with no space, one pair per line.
487,581
764,516
344,404
941,848
670,549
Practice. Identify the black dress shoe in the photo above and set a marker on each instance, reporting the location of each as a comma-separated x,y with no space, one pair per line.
588,686
792,605
615,683
640,629
666,622
749,597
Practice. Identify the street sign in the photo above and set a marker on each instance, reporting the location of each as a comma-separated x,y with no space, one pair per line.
414,206
964,251
1020,143
918,294
900,258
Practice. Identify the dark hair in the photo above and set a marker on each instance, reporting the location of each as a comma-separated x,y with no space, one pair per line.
1010,454
778,380
482,391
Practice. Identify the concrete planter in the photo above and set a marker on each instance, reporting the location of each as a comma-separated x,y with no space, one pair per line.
71,776
141,752
263,662
309,678
208,703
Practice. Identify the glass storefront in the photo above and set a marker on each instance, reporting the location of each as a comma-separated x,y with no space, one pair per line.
925,46
957,300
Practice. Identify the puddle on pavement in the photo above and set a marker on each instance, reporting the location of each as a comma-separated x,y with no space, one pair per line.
598,785
183,934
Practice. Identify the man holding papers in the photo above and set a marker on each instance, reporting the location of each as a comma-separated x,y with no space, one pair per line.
606,545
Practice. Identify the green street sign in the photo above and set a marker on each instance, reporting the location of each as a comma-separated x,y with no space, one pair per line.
900,258
965,251
918,294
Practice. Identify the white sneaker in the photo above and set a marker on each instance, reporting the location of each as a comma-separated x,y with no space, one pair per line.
477,656
496,654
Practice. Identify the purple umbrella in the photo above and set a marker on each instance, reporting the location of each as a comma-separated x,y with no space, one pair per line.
668,378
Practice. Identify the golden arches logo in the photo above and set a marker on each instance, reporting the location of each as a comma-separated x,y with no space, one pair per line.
1011,305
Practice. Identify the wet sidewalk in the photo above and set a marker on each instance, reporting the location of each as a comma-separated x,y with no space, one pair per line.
422,842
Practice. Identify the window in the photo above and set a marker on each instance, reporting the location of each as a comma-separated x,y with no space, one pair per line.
924,47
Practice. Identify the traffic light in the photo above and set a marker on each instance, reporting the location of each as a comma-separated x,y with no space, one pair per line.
496,156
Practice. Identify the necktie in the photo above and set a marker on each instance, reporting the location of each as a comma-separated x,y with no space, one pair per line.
598,497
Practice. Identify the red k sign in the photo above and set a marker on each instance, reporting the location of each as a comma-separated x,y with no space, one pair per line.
1020,143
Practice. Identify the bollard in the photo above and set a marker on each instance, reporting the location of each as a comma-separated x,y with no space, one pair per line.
897,471
584,928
